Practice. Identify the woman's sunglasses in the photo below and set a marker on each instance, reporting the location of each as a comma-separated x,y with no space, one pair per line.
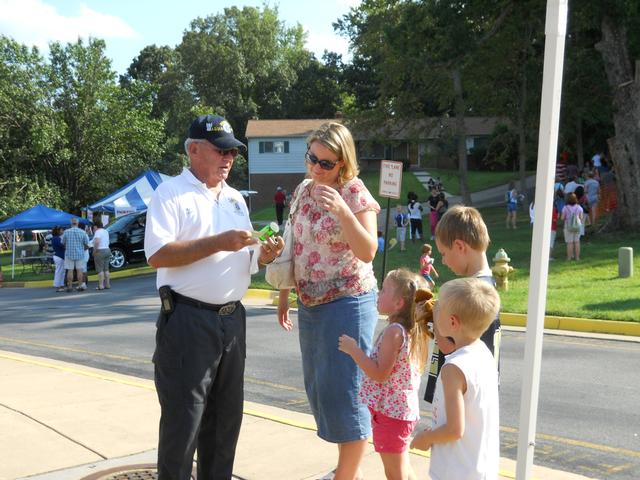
324,164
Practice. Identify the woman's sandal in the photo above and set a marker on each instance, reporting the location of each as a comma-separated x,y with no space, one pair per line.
98,288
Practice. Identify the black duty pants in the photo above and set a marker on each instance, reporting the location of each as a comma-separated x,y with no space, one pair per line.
199,371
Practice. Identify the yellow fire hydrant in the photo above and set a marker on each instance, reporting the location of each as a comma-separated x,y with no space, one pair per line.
501,269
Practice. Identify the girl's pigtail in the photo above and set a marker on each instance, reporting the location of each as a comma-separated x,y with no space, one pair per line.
421,333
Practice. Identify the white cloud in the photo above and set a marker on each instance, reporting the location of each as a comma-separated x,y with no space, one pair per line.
318,42
33,22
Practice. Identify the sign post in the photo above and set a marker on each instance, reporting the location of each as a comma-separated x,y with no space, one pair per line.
390,187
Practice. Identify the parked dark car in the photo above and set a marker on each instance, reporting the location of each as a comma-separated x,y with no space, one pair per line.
126,239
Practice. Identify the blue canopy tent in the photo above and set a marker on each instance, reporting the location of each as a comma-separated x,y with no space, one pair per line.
35,218
133,197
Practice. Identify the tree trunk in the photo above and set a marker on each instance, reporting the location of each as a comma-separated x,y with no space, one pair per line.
461,136
579,143
625,146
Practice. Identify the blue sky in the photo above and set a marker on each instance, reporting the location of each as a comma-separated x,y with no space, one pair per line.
127,26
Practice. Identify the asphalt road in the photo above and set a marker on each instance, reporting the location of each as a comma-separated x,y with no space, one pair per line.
589,411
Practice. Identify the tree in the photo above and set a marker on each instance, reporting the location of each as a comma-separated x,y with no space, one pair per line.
316,92
586,98
241,62
506,78
620,44
103,128
27,131
415,46
174,98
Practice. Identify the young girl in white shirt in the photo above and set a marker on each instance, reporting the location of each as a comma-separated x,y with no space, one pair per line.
393,372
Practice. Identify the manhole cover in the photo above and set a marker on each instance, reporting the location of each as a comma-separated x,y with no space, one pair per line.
129,472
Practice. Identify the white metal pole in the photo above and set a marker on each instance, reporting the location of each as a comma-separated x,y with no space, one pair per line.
555,30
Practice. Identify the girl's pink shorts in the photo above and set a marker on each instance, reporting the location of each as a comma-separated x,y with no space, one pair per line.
390,435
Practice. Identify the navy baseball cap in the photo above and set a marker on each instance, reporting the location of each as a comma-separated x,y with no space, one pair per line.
216,130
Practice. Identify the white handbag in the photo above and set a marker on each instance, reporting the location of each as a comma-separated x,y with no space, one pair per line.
280,274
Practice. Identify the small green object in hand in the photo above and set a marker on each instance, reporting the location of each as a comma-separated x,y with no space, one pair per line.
267,231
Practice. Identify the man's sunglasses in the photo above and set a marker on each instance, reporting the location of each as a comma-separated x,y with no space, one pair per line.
227,151
324,164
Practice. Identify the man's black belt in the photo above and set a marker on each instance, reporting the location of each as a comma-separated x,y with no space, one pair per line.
224,309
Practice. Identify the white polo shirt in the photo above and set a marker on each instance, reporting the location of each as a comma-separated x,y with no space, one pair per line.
183,208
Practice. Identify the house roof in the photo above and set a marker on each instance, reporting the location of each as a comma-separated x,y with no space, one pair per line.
426,128
285,128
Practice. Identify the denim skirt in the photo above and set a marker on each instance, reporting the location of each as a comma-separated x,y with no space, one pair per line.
331,378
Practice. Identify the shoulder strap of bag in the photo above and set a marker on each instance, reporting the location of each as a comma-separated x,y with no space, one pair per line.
296,201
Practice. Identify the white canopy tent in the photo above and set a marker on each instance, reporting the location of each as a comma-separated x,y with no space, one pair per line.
133,197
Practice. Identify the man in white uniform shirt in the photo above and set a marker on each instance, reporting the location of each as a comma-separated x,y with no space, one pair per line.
199,237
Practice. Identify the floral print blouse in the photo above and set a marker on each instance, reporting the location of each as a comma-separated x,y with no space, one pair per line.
397,396
325,266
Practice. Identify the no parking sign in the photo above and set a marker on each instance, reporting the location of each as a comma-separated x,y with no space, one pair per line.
390,179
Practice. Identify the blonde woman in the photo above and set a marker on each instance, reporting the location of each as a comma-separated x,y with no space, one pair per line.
335,231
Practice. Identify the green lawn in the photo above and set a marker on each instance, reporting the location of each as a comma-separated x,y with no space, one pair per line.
587,289
477,180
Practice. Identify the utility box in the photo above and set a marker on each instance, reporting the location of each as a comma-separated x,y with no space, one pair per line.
625,262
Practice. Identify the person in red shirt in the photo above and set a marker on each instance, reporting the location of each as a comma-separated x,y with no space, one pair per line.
279,198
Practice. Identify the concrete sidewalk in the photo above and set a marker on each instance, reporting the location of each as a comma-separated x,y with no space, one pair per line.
61,421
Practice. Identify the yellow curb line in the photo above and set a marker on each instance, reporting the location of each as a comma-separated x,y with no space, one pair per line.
94,277
262,294
575,324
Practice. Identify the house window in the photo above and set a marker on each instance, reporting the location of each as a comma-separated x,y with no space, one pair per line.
277,146
470,144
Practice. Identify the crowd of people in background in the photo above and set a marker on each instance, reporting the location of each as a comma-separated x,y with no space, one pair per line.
580,197
437,206
593,185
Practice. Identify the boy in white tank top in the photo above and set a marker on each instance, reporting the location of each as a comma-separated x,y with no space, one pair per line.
464,438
